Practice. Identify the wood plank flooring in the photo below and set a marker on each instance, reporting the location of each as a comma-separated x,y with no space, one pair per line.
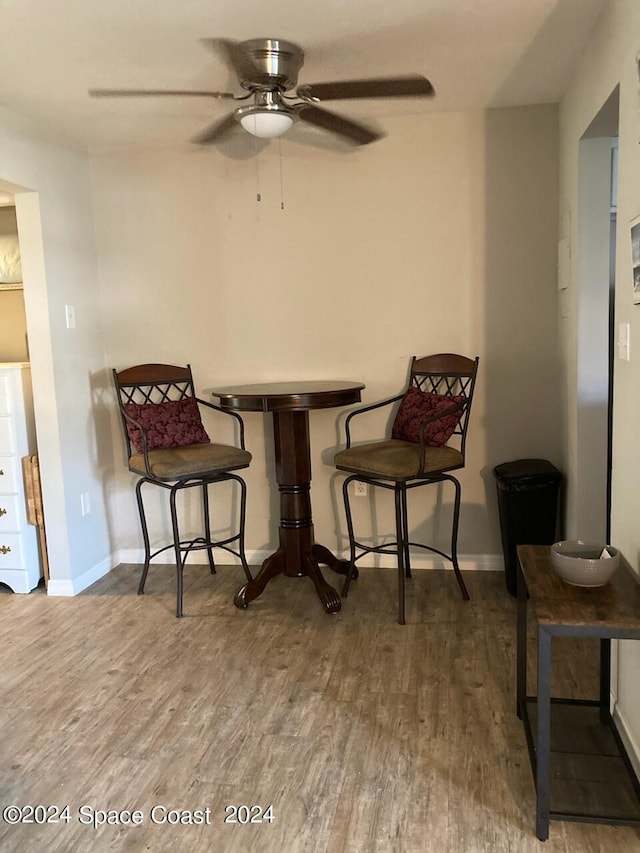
365,736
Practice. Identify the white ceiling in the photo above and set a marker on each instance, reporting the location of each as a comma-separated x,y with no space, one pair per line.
477,53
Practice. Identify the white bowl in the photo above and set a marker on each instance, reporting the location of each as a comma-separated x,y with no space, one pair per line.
579,563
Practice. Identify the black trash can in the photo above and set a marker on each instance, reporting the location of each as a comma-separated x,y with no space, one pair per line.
528,499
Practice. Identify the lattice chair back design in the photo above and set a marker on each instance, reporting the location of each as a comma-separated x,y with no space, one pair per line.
433,410
168,446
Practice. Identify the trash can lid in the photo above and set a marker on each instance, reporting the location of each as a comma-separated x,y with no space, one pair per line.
522,473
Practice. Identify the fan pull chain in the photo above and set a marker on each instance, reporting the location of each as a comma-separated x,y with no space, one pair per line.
256,158
281,180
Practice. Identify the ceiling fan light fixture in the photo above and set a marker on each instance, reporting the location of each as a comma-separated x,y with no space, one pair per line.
266,123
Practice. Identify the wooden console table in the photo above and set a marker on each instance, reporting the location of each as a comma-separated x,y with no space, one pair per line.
298,555
580,766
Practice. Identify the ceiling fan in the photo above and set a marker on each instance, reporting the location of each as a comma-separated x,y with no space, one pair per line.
268,69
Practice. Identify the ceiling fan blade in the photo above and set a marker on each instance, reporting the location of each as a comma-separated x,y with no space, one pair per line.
357,133
216,131
135,93
414,86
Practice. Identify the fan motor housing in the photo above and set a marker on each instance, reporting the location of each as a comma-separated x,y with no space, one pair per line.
269,63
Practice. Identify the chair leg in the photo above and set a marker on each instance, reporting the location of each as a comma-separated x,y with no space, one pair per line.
400,498
352,542
243,516
145,536
405,516
178,550
454,539
207,526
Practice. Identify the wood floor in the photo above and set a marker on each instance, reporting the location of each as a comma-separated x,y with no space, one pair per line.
363,735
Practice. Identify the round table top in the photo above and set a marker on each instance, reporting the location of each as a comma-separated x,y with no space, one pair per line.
297,395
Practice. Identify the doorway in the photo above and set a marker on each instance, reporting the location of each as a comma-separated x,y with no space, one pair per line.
38,330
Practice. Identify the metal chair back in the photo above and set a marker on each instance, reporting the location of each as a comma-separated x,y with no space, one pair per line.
450,375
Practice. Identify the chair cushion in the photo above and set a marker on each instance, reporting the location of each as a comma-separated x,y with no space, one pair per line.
415,407
397,460
193,460
174,423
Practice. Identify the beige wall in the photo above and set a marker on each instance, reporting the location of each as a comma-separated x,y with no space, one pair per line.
13,327
8,224
609,60
442,237
13,322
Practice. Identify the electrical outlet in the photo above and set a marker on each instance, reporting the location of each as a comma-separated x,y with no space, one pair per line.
85,503
361,489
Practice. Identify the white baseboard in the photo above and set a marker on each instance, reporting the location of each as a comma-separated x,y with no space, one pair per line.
630,743
76,585
424,560
419,560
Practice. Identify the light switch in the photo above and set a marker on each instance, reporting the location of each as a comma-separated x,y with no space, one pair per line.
85,503
624,342
70,316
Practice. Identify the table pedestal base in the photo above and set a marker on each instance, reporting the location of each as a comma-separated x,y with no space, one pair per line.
309,562
298,555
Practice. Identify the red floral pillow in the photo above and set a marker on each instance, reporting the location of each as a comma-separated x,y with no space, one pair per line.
415,407
170,424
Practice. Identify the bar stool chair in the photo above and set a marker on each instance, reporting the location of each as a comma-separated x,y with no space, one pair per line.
168,446
434,408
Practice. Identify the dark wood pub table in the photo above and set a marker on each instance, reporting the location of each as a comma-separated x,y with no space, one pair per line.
580,766
298,555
